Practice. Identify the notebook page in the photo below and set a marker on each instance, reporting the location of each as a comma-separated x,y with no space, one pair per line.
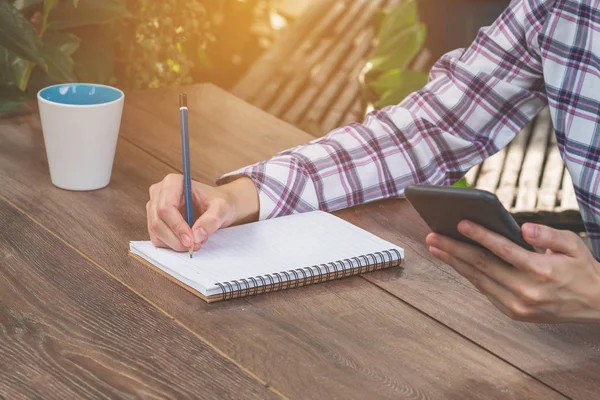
265,247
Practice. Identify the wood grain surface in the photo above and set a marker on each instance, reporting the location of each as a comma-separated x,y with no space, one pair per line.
553,354
566,357
68,330
220,144
346,339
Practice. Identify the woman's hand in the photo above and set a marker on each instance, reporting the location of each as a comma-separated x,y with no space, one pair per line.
562,285
214,208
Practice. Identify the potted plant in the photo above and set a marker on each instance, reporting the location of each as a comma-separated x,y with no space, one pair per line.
43,42
386,78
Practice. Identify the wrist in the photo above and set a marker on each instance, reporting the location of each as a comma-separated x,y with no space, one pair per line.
242,196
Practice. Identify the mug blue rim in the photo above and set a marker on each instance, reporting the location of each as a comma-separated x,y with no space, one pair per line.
119,91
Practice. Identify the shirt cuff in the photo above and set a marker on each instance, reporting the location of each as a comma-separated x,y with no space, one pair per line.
283,187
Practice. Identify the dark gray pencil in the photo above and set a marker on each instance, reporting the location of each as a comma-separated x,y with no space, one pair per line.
185,150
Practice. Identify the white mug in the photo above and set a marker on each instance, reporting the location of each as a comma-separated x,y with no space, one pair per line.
80,124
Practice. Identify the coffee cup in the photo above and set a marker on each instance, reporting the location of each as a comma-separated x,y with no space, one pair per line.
80,125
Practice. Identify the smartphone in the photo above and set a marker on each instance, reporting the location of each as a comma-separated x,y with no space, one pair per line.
443,207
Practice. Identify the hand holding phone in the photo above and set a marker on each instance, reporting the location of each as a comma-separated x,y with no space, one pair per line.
443,207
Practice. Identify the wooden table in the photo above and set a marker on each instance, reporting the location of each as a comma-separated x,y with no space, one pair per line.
81,319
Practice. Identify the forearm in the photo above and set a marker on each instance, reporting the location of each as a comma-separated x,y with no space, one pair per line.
475,103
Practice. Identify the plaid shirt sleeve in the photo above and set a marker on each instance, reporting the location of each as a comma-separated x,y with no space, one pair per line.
476,101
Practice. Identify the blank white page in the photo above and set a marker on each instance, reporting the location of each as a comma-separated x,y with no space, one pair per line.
265,247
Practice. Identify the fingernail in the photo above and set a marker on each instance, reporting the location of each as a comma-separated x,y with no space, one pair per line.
466,226
432,239
533,230
199,235
186,240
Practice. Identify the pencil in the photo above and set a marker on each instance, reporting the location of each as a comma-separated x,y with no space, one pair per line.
185,150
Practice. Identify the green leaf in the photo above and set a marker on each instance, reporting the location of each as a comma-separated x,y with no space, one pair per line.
410,82
398,50
29,9
94,60
11,98
378,17
18,35
39,79
400,17
462,182
14,70
5,65
391,79
58,48
25,4
49,5
21,70
70,14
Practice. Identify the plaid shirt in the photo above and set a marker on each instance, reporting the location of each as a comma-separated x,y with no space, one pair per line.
537,53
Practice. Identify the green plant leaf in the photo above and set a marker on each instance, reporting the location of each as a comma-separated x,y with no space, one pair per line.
5,65
94,59
11,98
410,82
378,18
29,8
13,69
21,70
58,48
388,80
18,35
398,50
39,79
25,4
462,182
49,5
400,17
86,12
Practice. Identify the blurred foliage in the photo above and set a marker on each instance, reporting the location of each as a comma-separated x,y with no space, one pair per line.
127,43
386,78
462,182
39,44
175,42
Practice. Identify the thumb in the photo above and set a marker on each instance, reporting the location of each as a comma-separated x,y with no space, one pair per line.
208,223
564,242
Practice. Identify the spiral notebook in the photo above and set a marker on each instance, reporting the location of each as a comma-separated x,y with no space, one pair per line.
275,254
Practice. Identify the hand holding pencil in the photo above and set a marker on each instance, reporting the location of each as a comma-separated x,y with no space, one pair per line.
177,199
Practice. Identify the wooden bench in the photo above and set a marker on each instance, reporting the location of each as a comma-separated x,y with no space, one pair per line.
530,179
309,78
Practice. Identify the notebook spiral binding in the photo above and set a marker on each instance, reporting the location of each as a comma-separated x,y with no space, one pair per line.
310,275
